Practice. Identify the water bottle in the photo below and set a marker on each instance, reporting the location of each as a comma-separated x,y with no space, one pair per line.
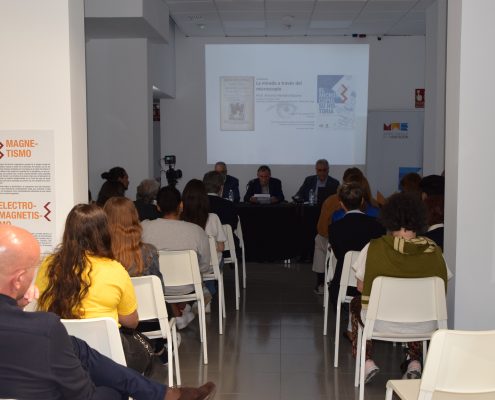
311,197
231,195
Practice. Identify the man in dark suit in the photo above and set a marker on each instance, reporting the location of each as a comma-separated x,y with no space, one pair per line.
352,232
225,209
264,184
318,181
230,183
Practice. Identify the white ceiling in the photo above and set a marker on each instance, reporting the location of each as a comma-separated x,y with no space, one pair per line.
299,17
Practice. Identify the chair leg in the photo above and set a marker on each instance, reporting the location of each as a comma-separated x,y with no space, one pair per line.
203,339
337,336
176,355
170,352
220,302
325,289
325,315
237,289
358,357
243,269
222,288
361,369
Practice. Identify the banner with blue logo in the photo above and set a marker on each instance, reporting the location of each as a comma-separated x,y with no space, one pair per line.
394,146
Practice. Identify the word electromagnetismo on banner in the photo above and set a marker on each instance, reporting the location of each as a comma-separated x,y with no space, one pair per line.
27,197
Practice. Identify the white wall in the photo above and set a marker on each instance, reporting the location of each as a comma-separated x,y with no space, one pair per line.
119,110
469,211
396,69
42,87
162,64
434,129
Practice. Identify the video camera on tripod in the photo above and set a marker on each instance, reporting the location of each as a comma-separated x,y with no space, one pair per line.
172,175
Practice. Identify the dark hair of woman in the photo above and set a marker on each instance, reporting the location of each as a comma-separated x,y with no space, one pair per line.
435,207
404,210
195,203
86,234
352,174
110,189
114,174
410,183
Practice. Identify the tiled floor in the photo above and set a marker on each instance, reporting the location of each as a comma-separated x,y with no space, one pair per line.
273,347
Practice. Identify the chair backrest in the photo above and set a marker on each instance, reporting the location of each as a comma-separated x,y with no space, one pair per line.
214,256
459,362
101,334
406,300
179,267
238,232
229,244
347,278
150,300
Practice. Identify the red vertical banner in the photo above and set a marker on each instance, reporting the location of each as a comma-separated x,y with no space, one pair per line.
419,98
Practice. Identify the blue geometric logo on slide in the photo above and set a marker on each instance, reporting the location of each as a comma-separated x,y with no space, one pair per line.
326,95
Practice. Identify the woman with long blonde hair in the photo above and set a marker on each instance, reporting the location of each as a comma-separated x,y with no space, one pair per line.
138,258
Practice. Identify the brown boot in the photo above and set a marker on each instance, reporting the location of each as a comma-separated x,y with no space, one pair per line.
205,392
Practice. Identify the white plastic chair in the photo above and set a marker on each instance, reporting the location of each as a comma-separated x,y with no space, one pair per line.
459,365
347,279
330,262
101,334
151,305
400,300
238,233
230,246
217,275
329,271
180,268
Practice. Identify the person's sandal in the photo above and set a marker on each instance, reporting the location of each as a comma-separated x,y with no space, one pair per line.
370,371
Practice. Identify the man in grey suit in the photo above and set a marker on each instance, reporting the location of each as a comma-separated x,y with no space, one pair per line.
318,181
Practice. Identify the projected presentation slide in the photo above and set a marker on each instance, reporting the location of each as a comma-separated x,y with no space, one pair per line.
286,104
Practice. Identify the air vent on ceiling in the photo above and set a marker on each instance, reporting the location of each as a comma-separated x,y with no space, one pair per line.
195,18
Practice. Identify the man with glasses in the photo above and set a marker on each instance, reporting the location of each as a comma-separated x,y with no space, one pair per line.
266,185
317,182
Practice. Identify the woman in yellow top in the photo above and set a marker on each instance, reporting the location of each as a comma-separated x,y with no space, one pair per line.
81,279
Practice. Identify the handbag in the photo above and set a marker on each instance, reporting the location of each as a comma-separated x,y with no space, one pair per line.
138,350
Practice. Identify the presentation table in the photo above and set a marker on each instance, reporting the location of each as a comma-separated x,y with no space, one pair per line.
278,232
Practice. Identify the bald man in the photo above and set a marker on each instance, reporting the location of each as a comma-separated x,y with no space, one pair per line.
39,360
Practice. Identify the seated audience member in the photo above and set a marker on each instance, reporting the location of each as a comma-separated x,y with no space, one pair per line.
329,206
170,233
145,198
433,194
83,280
40,361
320,180
137,257
410,183
352,232
264,184
110,187
230,183
225,210
401,254
108,190
195,209
369,206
